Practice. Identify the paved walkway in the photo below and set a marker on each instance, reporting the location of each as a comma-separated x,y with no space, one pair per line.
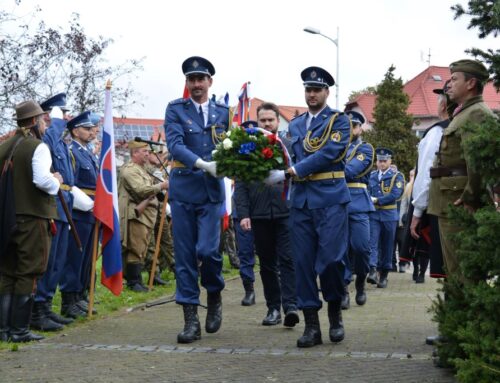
384,343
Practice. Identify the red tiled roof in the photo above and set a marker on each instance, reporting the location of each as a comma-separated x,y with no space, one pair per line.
423,101
137,121
365,102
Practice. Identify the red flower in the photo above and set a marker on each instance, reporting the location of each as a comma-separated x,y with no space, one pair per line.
267,153
272,139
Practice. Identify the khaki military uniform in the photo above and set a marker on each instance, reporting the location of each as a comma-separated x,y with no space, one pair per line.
135,186
166,254
452,176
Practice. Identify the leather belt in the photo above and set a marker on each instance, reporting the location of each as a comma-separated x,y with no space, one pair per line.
444,171
90,192
356,185
386,207
321,176
177,164
65,187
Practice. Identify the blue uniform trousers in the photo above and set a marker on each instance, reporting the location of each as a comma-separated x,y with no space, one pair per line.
246,254
76,261
196,233
319,246
272,241
382,240
359,240
47,284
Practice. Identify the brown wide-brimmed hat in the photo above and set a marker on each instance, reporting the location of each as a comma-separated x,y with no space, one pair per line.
28,109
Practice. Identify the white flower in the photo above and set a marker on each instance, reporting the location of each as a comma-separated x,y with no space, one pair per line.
228,133
253,138
214,152
227,143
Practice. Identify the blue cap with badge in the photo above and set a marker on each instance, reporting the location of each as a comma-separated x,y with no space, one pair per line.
197,65
250,124
383,154
81,121
58,100
356,117
316,77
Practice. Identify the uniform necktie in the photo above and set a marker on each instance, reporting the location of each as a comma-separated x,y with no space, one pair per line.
311,122
202,116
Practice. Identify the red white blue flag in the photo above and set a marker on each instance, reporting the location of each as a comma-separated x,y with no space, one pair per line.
106,205
242,114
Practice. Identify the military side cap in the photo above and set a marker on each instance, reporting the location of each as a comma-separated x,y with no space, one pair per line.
317,77
356,117
58,100
383,154
442,90
197,65
473,67
250,124
28,109
95,119
80,121
132,144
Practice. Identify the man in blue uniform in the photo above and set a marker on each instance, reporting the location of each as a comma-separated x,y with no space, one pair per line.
359,163
193,127
85,170
43,317
318,214
386,188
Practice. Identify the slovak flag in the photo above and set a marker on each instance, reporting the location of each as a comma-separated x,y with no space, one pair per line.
243,104
106,205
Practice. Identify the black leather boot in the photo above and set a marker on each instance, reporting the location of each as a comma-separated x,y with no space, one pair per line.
157,281
5,306
40,321
372,277
214,312
192,328
134,278
415,267
360,290
83,304
20,319
69,307
312,331
346,301
249,298
54,316
336,325
382,283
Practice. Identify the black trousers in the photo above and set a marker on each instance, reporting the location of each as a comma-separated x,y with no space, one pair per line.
272,243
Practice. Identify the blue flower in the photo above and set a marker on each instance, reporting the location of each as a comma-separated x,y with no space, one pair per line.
251,131
247,147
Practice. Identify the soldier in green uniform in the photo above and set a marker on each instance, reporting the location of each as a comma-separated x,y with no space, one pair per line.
136,227
25,251
453,181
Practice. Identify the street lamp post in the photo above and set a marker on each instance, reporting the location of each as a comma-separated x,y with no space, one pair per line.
315,31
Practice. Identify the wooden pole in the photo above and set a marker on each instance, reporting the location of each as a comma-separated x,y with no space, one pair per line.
158,240
92,272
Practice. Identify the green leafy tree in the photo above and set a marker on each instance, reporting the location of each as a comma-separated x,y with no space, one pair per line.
485,15
392,128
356,93
39,61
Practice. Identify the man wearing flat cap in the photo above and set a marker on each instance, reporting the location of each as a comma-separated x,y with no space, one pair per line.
25,250
453,181
318,213
136,227
193,126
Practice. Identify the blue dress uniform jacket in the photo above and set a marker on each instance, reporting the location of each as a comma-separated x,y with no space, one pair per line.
359,163
195,197
384,220
76,275
61,162
187,140
318,214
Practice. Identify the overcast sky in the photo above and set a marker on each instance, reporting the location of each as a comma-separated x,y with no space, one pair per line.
263,41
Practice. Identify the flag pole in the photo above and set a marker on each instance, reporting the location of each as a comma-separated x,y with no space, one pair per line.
92,272
158,241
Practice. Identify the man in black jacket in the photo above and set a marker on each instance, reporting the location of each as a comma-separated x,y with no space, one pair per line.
263,210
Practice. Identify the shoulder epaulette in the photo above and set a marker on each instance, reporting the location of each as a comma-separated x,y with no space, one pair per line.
299,115
178,101
222,105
